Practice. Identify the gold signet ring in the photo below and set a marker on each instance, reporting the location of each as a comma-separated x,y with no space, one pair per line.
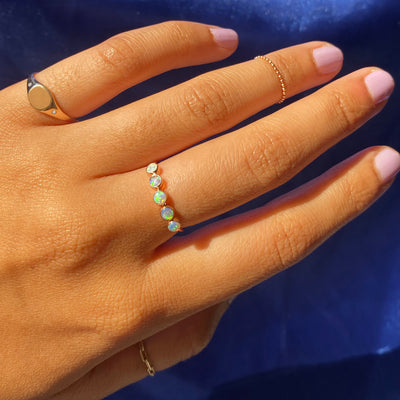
43,100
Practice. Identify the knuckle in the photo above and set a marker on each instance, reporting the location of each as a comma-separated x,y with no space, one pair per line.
291,239
178,31
268,158
127,52
357,193
125,311
181,34
345,110
120,53
207,101
142,303
257,163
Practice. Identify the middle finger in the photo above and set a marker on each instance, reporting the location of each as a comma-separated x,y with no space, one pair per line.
165,123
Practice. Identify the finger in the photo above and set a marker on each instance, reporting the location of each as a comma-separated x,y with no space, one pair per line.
165,123
226,172
238,253
164,349
86,80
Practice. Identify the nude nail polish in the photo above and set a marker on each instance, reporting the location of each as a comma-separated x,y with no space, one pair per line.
380,85
226,38
328,59
387,163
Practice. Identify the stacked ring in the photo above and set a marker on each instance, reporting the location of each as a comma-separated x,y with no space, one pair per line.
160,198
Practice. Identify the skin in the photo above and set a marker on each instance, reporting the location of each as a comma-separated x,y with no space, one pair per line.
87,269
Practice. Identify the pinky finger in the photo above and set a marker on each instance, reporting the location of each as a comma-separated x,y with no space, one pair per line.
164,349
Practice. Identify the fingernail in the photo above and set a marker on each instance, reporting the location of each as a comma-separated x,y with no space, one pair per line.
387,163
380,85
328,58
226,38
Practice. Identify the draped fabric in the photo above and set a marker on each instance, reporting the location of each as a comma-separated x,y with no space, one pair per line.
330,326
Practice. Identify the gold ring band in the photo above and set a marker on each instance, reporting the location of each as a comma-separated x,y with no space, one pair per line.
145,359
43,100
278,74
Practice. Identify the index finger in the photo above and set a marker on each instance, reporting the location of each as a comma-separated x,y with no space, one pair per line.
85,81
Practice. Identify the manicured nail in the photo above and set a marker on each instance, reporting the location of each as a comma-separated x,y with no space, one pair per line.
380,85
226,38
328,58
387,163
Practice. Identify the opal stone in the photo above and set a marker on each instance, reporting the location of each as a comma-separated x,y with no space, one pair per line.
160,197
151,168
167,213
155,181
174,226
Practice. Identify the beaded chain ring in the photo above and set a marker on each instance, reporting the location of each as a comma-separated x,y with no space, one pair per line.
278,74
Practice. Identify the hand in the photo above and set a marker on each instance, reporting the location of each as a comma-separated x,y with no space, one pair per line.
87,270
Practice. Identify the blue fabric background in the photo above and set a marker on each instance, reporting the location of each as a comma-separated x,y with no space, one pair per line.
328,328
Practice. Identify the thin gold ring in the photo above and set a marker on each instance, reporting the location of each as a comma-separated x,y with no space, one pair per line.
143,355
278,74
43,100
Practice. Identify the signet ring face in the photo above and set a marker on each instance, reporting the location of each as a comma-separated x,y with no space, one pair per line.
43,100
